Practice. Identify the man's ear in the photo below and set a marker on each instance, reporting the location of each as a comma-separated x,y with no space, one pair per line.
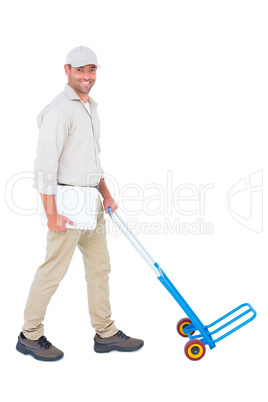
67,69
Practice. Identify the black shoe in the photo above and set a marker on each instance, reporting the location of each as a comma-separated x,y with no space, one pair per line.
41,349
119,341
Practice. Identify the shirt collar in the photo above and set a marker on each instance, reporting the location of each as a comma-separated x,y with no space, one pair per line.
72,95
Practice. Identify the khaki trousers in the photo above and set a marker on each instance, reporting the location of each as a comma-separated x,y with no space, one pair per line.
59,252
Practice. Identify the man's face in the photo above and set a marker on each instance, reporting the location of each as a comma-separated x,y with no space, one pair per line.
81,79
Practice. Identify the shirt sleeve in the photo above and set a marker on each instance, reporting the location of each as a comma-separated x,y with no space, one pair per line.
102,174
53,133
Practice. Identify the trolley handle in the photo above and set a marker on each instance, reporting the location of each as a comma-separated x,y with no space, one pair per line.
125,229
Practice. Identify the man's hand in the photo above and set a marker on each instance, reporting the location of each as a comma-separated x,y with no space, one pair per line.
109,202
56,223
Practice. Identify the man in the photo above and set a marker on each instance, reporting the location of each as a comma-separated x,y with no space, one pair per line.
68,154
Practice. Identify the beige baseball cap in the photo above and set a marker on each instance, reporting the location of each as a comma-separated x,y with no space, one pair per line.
81,56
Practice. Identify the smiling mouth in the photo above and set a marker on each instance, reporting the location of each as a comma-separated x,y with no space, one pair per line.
85,83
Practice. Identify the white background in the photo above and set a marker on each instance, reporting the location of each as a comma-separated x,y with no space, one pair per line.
182,88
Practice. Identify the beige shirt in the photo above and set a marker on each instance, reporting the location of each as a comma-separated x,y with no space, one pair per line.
68,146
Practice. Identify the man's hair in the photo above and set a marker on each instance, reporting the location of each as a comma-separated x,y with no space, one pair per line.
70,66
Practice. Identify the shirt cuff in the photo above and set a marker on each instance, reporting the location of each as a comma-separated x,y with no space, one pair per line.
102,174
44,187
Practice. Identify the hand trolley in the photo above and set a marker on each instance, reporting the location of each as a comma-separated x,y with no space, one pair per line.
195,348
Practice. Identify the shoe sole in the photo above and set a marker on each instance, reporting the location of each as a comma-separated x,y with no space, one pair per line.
99,348
22,349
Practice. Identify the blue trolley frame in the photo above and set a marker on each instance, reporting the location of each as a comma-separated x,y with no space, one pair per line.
205,334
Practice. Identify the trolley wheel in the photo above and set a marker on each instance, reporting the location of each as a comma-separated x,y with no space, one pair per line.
195,349
183,323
